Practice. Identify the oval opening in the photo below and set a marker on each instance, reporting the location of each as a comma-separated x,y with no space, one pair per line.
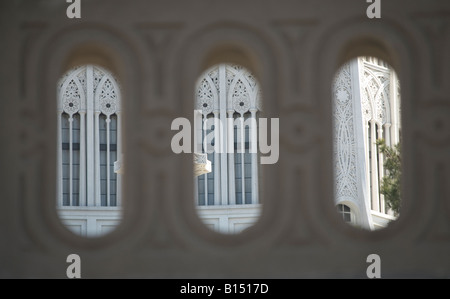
367,138
227,165
89,151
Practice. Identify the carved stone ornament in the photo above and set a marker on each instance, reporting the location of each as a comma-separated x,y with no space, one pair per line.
241,101
344,137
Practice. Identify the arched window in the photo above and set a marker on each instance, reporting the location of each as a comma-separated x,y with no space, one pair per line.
346,213
228,98
88,141
380,103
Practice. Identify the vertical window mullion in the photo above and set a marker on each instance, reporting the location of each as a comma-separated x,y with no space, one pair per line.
108,164
65,182
237,159
197,197
97,160
248,158
119,158
221,142
242,134
103,160
367,160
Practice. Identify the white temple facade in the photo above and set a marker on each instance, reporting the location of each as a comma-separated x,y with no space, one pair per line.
366,105
229,99
89,151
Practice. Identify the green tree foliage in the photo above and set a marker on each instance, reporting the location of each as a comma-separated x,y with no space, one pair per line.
390,185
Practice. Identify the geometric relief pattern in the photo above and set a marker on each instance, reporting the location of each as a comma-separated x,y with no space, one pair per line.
106,92
98,75
205,98
67,75
344,136
241,101
228,91
244,90
73,96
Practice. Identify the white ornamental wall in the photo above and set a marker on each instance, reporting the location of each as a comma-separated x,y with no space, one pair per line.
348,144
88,92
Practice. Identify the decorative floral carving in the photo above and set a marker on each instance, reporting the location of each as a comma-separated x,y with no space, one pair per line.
251,80
344,136
241,100
243,95
381,109
71,105
205,97
108,107
98,75
375,91
66,76
259,104
214,76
